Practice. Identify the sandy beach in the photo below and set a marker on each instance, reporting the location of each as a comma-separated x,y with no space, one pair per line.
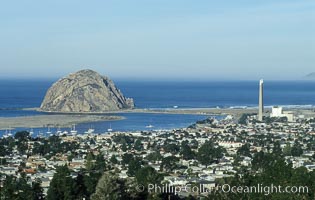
51,120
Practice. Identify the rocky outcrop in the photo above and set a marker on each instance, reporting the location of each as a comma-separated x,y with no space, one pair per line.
84,91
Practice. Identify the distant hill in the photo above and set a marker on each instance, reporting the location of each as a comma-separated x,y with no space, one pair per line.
310,76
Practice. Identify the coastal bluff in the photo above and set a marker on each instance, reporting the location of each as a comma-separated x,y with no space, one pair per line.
85,91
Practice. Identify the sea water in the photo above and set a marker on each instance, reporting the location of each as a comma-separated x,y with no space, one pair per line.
15,95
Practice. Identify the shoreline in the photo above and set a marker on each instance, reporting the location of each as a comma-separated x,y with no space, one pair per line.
188,111
62,121
59,119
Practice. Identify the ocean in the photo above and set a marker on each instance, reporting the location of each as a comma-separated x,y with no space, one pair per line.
18,94
223,94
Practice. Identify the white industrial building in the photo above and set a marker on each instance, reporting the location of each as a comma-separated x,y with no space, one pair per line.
278,112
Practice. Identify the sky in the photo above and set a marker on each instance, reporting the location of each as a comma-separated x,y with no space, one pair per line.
158,39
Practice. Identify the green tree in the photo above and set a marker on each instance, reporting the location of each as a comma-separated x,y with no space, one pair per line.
296,149
91,179
145,176
22,139
3,150
22,135
109,187
133,166
171,148
6,146
80,188
275,171
113,159
20,189
37,189
244,150
62,186
148,175
208,153
261,161
70,157
22,146
89,162
243,118
276,148
138,145
124,147
287,150
154,156
186,152
126,158
169,163
100,164
194,144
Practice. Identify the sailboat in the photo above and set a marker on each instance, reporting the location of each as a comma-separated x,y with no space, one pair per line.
48,130
73,131
31,131
40,134
59,132
90,130
6,134
110,128
9,134
150,125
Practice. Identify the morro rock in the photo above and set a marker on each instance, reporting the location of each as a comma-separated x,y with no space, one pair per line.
84,91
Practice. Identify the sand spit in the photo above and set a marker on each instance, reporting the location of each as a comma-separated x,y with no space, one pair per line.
66,120
51,120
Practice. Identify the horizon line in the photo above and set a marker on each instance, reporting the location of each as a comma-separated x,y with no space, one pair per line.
157,79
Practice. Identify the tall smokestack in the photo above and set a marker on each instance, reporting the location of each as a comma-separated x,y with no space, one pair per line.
261,100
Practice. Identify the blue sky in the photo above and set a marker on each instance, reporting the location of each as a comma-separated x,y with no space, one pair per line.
159,39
